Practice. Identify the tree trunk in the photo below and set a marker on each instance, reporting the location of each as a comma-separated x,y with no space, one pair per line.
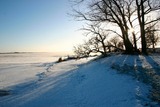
135,42
104,49
128,47
153,47
143,38
127,43
134,36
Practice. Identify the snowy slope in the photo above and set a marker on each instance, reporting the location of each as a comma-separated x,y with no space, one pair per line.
82,83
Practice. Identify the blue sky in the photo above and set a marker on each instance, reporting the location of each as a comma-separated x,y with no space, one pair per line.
37,26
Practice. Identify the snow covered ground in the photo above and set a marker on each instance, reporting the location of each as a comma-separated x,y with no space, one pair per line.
77,83
22,67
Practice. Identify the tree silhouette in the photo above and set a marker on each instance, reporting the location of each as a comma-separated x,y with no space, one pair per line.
124,14
144,8
152,37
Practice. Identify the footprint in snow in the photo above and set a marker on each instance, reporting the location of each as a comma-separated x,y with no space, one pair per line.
41,76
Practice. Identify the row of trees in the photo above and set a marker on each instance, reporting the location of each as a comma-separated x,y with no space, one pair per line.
117,24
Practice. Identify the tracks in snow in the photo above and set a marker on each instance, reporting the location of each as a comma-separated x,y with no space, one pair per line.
47,71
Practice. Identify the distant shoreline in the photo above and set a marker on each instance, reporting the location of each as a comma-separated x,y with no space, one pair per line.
55,54
21,52
13,52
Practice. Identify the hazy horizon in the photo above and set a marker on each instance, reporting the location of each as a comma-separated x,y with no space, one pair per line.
53,53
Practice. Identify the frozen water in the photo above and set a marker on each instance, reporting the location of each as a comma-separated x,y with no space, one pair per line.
17,68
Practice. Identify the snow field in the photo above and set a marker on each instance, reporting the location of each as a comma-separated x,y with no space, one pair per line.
82,83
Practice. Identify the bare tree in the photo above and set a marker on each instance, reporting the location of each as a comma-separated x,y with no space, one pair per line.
152,37
144,8
78,50
98,38
83,50
116,44
130,13
122,13
110,11
114,41
120,45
